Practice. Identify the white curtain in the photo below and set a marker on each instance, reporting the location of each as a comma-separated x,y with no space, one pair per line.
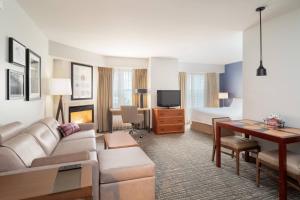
195,93
122,87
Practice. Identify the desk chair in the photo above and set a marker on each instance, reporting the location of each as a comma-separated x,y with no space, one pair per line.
130,115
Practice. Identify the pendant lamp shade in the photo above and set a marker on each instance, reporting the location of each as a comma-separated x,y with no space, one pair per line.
261,71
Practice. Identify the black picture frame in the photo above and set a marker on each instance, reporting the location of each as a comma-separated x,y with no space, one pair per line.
16,48
33,78
75,91
12,83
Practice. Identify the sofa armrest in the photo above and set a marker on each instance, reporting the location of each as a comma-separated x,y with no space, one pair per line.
66,158
93,163
86,126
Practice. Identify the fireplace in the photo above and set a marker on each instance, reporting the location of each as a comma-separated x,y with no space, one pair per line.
81,114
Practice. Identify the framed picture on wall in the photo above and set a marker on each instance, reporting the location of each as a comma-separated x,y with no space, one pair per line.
82,81
33,75
16,52
15,85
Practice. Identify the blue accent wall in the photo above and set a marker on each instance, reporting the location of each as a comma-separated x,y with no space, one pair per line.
232,81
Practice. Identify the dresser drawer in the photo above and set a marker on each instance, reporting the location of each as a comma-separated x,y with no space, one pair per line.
172,120
170,129
170,112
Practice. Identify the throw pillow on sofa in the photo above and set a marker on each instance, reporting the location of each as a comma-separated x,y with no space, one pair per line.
68,129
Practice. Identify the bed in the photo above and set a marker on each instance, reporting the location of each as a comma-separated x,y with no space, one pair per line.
202,117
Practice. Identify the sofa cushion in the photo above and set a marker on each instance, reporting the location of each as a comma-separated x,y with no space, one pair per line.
26,147
80,135
9,160
9,130
44,136
65,158
124,164
73,146
52,124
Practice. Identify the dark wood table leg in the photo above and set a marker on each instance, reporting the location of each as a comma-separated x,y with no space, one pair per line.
282,171
218,146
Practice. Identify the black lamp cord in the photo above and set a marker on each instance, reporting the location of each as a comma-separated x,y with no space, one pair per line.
260,37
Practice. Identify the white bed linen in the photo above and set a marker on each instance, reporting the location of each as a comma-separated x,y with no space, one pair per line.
205,115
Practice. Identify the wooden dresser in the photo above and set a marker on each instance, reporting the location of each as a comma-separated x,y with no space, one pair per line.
167,120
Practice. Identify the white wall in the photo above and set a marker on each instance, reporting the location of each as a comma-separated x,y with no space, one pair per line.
200,68
278,92
163,76
113,61
15,23
58,50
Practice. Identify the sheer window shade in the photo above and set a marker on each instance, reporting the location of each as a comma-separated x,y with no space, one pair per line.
122,87
195,93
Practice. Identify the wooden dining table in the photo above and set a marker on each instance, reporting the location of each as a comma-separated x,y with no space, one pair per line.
281,136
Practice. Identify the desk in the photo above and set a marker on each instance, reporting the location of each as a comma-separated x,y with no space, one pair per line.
281,136
48,184
117,111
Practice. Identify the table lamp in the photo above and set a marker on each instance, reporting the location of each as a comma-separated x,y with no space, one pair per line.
222,96
141,92
60,87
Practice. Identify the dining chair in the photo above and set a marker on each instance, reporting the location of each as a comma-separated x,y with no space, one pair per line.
130,115
269,159
232,141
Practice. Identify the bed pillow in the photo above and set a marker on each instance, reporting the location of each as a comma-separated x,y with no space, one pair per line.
237,103
68,129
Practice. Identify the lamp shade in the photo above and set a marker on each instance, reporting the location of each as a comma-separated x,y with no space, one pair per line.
223,95
141,91
59,86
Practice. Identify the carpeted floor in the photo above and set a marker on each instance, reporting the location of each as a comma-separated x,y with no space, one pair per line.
184,171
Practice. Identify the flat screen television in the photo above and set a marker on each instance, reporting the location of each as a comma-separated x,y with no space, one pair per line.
168,98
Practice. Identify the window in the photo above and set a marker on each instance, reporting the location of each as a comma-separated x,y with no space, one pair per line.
195,92
122,87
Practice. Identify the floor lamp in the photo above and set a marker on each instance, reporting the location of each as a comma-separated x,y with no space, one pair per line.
60,87
141,93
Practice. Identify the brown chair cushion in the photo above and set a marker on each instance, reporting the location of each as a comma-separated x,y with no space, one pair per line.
51,160
238,142
271,158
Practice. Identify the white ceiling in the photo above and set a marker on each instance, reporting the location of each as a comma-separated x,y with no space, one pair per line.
206,31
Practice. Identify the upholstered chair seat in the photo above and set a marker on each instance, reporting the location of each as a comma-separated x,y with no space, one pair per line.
238,142
270,160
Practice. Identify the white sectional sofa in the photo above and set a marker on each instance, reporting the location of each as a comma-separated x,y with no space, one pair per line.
23,150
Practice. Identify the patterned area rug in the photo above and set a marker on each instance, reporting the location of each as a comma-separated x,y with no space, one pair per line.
184,171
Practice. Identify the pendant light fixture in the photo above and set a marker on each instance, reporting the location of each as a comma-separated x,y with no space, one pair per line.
261,71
